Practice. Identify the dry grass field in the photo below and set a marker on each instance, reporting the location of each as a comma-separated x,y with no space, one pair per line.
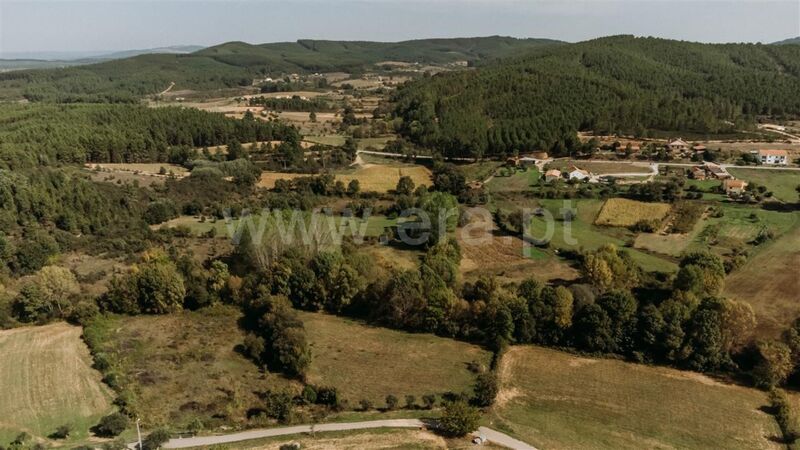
148,169
556,400
372,177
769,282
366,362
620,212
46,380
180,367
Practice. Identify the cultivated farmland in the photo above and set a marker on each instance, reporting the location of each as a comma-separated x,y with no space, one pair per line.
555,400
47,380
372,177
621,212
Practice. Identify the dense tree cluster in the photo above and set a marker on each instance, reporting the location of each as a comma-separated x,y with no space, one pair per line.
618,84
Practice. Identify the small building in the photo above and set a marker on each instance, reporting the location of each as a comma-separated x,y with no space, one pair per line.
698,173
527,161
717,171
775,157
552,175
578,174
736,187
677,146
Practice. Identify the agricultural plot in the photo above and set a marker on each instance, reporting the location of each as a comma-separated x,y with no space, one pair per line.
621,212
556,400
365,362
47,380
371,177
581,233
782,183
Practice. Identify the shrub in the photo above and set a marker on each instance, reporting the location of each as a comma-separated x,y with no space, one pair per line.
411,402
111,425
365,404
61,432
391,402
429,400
155,439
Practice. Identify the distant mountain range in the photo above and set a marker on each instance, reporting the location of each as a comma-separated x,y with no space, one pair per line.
48,60
788,41
237,63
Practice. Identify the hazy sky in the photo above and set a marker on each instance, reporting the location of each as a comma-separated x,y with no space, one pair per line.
36,26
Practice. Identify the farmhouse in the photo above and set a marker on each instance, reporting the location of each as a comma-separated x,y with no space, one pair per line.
779,157
698,173
678,146
734,187
552,175
578,174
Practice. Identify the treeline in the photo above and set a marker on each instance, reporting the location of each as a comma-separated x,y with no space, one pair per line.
612,85
47,134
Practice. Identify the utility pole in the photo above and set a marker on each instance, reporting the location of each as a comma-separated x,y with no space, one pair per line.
138,433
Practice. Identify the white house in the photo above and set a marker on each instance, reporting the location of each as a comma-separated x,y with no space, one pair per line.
780,157
578,174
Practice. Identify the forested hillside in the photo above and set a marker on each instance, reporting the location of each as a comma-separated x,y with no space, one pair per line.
46,134
237,63
616,84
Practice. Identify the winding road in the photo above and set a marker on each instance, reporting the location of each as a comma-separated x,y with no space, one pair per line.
490,435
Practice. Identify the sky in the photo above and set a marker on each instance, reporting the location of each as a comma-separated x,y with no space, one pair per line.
33,26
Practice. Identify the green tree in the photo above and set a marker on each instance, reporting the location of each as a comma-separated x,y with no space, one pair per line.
459,418
111,425
774,364
485,389
405,186
442,211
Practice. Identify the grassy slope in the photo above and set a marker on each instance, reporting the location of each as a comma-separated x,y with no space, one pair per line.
46,381
369,362
555,400
782,183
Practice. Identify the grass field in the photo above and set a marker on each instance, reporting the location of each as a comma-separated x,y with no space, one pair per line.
370,362
782,183
555,400
621,212
46,381
181,367
581,233
769,282
519,181
372,177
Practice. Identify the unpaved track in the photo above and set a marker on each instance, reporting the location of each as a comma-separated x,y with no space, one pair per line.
493,436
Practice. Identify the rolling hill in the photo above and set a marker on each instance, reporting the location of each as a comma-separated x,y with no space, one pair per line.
619,84
237,63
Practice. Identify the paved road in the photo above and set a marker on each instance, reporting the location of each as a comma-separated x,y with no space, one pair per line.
491,435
